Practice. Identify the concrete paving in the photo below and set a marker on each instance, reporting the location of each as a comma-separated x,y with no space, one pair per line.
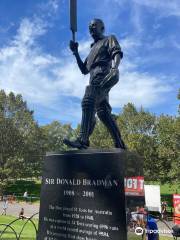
14,209
165,228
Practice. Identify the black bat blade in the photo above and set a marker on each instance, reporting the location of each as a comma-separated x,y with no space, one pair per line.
73,15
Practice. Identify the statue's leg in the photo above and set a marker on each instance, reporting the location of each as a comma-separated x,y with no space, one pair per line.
88,118
87,121
92,126
104,114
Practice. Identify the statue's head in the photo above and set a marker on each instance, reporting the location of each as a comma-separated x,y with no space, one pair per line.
96,28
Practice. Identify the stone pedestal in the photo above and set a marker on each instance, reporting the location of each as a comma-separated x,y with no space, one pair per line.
82,196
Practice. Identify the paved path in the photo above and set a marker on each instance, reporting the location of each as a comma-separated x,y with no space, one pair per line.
14,209
165,228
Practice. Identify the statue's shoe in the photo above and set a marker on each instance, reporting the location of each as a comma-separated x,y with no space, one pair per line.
76,144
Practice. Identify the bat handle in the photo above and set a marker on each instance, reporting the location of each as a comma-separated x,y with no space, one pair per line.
73,36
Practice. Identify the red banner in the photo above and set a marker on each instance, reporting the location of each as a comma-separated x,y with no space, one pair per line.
134,186
176,203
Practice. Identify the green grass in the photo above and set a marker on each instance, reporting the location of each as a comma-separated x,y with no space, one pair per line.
27,234
165,238
29,231
170,189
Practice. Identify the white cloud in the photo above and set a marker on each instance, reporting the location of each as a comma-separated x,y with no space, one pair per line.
29,31
165,8
130,44
136,18
49,7
48,82
41,78
54,4
142,89
175,43
109,11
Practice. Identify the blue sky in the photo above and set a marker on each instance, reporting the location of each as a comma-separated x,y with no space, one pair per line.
36,62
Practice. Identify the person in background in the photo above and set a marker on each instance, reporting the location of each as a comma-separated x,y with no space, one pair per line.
152,228
134,217
21,214
5,206
141,216
164,210
25,196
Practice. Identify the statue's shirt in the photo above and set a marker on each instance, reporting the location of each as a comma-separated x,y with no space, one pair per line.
99,60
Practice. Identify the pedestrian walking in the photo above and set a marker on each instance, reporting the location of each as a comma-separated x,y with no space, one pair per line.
25,196
5,206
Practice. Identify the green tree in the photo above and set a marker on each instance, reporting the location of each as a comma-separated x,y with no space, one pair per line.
178,97
168,148
138,131
156,139
54,134
101,137
10,151
20,138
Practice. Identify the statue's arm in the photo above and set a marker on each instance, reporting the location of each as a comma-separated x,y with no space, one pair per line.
116,54
116,60
115,51
82,65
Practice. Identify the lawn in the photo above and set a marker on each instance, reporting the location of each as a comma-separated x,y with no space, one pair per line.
165,238
170,189
27,234
29,231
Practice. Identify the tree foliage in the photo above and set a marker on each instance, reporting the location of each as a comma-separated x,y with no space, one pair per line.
23,143
178,97
20,139
155,138
54,134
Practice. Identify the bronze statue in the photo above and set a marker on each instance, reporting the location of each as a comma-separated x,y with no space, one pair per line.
102,64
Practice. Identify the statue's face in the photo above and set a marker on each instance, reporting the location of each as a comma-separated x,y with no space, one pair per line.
96,29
